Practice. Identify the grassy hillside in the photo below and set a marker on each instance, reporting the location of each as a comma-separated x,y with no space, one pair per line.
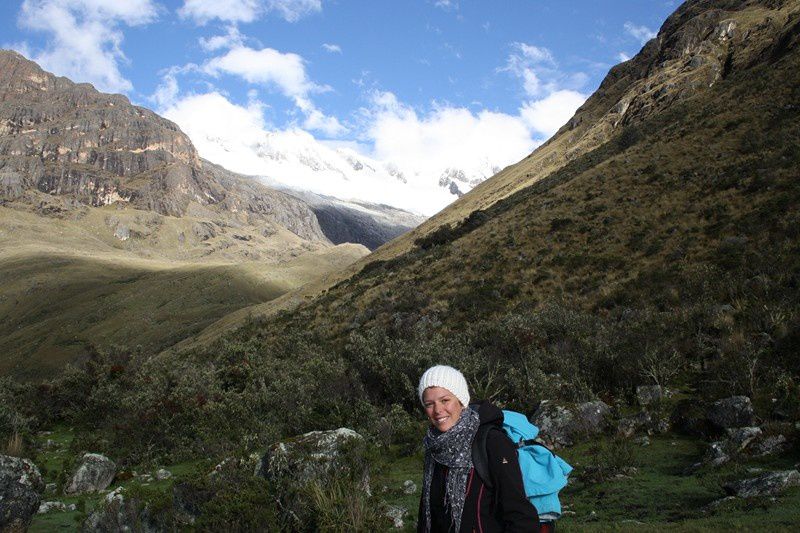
665,251
69,284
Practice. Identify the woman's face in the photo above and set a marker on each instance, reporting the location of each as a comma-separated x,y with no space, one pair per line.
442,407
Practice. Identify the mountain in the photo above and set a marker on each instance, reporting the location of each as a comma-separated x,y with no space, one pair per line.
650,249
359,222
671,190
294,159
64,143
115,231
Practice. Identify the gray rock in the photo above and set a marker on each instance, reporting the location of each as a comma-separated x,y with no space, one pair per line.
733,412
717,454
649,394
163,474
122,232
740,438
118,513
94,473
591,417
643,421
561,426
409,487
20,489
770,446
50,488
769,484
555,423
50,507
312,456
396,514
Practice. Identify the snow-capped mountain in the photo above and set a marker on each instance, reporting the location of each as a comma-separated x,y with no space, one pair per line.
296,160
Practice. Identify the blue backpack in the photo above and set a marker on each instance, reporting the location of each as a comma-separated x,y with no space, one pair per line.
543,472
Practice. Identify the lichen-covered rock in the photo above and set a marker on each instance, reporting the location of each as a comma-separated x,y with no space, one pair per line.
562,426
769,484
770,445
649,394
316,456
94,473
555,423
20,489
717,454
733,412
591,417
740,438
396,514
55,507
642,422
409,487
118,513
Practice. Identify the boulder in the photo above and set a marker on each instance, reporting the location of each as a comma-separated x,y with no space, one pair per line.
733,412
20,489
409,487
162,474
740,438
591,417
649,395
561,426
717,454
117,512
396,514
644,422
769,484
55,506
770,445
554,422
94,473
316,456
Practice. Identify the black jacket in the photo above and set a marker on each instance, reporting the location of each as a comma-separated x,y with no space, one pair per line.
501,508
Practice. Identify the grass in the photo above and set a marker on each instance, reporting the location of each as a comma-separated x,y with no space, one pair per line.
66,285
658,497
53,458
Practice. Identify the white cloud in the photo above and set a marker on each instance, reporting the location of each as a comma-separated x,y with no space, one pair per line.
267,66
547,115
333,48
478,143
622,56
531,63
284,71
642,33
84,41
231,39
446,4
204,11
294,10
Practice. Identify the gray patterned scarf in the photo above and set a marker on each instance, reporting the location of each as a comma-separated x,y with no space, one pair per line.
452,449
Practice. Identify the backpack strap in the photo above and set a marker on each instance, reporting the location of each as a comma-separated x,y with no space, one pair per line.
480,457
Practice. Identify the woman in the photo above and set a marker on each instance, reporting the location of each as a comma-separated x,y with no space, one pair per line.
454,498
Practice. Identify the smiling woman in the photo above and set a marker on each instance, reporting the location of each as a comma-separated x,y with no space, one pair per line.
454,497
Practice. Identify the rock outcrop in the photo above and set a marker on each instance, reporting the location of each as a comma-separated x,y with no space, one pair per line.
314,456
563,426
94,473
769,484
733,412
67,140
20,488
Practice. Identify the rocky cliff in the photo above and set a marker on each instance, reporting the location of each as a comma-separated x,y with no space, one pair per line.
83,147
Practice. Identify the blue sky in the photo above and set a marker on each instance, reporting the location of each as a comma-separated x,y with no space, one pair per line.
376,76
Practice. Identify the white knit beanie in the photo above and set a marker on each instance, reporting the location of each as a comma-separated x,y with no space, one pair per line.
448,378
